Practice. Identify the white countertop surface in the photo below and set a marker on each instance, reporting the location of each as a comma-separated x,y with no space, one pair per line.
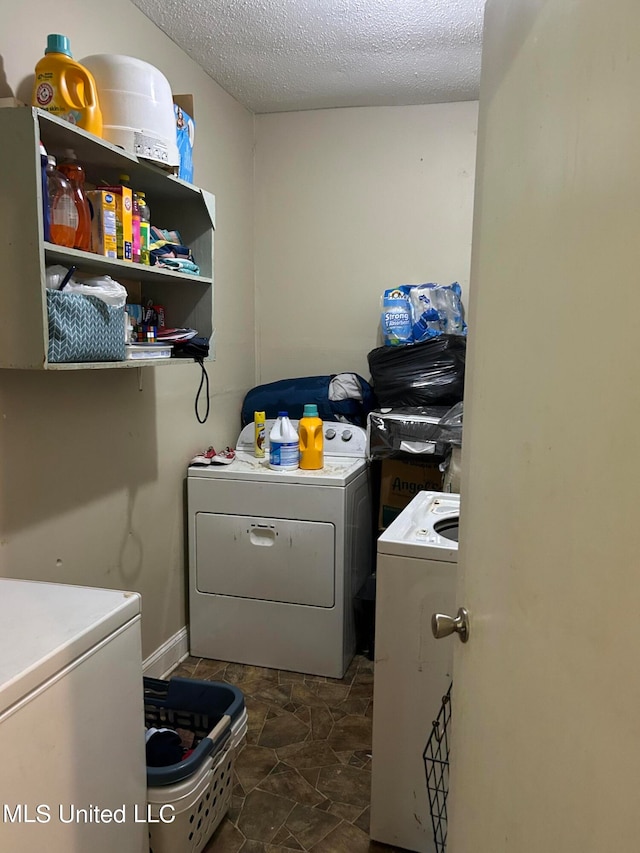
46,626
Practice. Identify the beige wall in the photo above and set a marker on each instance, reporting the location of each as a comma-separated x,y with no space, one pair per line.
92,463
350,202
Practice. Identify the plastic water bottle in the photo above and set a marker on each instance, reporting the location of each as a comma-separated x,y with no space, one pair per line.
311,439
284,453
63,214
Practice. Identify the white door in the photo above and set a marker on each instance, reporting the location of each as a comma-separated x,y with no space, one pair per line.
546,706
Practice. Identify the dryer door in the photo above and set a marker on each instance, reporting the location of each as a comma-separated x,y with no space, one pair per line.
270,559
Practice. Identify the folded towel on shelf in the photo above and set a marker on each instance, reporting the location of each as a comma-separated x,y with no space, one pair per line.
178,264
159,235
167,250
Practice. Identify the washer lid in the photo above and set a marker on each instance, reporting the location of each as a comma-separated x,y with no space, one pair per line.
46,626
426,528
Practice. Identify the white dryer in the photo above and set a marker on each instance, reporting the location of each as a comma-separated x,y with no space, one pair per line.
276,557
416,576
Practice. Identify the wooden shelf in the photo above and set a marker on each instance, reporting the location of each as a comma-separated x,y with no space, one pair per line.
175,205
114,267
131,362
98,155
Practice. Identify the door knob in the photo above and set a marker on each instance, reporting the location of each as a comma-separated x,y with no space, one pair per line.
442,625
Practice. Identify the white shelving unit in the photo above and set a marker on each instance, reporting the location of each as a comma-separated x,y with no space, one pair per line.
174,204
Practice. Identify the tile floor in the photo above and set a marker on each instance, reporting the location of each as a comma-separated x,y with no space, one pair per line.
303,778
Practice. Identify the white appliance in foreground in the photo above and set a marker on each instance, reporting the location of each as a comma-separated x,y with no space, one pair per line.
416,576
71,719
276,557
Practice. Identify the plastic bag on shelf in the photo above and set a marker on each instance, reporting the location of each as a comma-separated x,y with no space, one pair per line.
427,374
101,286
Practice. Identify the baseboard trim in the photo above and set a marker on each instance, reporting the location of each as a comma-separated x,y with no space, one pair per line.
168,655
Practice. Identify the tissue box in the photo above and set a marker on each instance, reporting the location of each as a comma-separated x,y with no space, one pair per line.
185,132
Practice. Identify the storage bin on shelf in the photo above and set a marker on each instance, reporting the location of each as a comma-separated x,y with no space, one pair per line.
83,328
198,789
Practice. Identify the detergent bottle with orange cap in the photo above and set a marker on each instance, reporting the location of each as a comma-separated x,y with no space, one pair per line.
65,88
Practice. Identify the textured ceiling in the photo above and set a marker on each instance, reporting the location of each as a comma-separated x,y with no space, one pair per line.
278,55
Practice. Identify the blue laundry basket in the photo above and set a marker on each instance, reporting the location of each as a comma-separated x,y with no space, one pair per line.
193,795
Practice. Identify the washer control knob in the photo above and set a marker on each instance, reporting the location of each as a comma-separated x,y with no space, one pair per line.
347,435
330,433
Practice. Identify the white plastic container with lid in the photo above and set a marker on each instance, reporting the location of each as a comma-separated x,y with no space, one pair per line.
284,452
136,105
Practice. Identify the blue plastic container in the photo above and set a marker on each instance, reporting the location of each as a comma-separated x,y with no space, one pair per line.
196,706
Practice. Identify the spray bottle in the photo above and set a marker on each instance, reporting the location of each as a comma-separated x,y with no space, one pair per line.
258,420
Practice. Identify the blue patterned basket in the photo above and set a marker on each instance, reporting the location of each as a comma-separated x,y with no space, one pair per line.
84,328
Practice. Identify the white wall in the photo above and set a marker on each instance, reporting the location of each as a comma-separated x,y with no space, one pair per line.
92,464
350,202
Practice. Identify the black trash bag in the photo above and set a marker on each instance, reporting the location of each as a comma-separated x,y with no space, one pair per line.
430,373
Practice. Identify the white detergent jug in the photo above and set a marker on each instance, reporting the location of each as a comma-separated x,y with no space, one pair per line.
284,452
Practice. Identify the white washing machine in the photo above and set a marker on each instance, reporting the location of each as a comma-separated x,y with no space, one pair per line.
416,576
276,557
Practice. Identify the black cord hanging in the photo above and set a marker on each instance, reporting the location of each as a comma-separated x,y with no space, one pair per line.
204,380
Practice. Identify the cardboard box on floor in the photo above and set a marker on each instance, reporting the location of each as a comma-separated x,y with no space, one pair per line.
402,479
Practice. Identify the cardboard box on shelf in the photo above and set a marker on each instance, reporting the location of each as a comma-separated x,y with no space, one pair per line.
401,480
103,224
124,219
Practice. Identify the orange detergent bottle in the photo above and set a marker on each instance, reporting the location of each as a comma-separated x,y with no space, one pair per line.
311,439
74,173
63,214
65,88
